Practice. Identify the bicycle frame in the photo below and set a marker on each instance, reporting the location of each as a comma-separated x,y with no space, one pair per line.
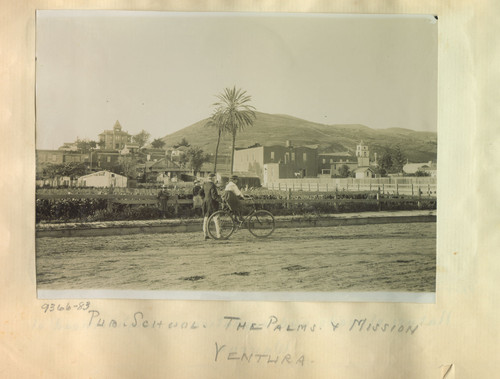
248,220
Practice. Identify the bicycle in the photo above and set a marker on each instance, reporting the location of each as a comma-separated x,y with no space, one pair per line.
223,223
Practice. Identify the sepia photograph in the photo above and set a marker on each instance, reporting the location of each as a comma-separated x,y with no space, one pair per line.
239,156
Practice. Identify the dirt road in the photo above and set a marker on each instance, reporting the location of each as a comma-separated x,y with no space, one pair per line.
392,257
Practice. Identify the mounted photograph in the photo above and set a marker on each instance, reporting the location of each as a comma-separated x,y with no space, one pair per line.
236,156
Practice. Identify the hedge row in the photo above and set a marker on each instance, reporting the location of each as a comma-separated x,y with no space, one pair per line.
87,210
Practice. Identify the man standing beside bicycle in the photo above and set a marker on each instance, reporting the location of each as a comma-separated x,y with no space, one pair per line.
210,204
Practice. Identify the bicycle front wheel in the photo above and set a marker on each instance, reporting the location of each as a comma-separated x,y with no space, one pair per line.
220,225
261,224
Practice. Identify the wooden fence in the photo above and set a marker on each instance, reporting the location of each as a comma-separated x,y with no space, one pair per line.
413,189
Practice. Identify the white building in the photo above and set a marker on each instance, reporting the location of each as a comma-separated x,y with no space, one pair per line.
364,173
102,179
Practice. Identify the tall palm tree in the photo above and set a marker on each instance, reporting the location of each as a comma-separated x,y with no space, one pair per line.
234,114
217,120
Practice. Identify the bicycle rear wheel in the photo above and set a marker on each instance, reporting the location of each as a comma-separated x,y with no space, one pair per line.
220,225
261,223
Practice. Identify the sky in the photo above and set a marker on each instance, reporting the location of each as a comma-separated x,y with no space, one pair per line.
161,71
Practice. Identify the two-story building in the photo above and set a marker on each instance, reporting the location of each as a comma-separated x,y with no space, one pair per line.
277,162
105,159
55,157
330,163
115,139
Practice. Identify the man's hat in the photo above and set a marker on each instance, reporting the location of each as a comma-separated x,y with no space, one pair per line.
234,177
211,176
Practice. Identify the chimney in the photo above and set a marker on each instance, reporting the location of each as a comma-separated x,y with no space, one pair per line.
288,143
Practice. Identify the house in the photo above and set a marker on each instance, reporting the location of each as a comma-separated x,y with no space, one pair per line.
151,154
330,163
413,168
50,156
276,162
102,179
364,173
105,159
115,139
177,153
129,148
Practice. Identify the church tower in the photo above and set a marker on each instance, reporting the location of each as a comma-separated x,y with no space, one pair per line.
363,155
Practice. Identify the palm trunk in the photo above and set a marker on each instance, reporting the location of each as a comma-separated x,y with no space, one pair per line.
232,151
217,152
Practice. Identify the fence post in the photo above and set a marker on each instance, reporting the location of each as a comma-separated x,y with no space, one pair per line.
110,199
429,190
335,204
176,204
288,197
397,188
412,192
326,187
309,186
317,186
378,200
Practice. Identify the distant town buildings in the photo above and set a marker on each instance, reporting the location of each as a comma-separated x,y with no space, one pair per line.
117,154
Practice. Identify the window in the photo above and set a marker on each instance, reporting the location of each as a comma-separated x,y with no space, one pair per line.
108,159
304,157
287,157
324,160
331,160
272,154
293,156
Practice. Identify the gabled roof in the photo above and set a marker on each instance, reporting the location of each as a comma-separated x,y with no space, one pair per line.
97,174
340,154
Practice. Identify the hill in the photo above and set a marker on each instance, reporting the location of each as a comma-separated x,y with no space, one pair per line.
269,129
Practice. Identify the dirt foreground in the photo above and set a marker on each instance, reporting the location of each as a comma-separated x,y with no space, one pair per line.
387,257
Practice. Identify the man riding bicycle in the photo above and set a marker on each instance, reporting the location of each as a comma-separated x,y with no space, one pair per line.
233,196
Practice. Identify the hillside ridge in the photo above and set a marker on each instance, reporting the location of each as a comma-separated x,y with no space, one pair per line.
276,129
